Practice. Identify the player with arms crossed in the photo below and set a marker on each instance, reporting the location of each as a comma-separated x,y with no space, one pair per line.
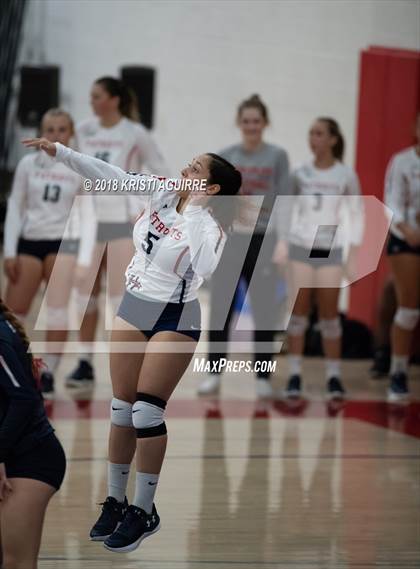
325,190
115,136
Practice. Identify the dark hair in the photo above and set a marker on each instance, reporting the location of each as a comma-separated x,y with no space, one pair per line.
128,106
229,179
34,363
334,130
254,102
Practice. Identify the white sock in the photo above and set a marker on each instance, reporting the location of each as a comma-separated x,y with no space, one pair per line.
399,364
146,485
51,361
332,368
117,480
295,364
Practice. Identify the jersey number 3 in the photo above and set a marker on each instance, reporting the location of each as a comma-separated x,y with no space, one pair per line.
51,193
148,243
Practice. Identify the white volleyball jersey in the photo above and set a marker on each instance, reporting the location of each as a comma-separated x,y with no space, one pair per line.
174,252
130,146
326,200
402,189
42,206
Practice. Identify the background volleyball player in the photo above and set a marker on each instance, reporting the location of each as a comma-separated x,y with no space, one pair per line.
402,196
42,221
178,243
265,172
320,264
32,461
115,136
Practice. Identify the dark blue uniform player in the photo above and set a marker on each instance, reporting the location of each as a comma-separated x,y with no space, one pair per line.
32,460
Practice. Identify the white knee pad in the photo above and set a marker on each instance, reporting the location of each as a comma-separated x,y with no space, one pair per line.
330,328
121,413
297,325
87,304
407,318
57,318
148,416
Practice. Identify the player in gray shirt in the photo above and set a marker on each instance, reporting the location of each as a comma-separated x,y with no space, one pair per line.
265,174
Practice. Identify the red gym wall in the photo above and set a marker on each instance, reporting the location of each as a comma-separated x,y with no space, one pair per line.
389,99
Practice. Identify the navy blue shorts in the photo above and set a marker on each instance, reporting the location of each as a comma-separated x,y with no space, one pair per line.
41,248
396,246
316,258
151,317
46,462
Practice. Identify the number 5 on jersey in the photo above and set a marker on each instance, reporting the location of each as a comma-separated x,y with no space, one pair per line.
147,244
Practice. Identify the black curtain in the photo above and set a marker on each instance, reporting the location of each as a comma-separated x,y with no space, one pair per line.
11,20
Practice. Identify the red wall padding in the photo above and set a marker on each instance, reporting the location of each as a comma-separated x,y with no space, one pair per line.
389,99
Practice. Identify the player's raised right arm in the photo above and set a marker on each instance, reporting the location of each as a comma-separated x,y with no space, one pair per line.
83,164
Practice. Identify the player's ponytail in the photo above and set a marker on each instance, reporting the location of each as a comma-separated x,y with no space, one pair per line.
128,105
229,179
35,364
334,130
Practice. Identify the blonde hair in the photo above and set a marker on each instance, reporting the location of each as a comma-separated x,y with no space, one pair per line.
56,112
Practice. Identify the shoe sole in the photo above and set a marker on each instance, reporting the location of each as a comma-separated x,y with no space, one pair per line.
293,394
335,396
208,391
48,395
134,545
397,397
79,382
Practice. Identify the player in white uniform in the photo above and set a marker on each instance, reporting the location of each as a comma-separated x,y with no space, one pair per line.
316,241
114,136
45,230
178,241
402,196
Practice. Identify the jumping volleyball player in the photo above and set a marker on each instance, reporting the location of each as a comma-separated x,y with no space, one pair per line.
177,245
38,226
115,136
402,196
322,263
32,461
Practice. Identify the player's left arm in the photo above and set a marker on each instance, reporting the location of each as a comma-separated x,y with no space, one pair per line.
206,240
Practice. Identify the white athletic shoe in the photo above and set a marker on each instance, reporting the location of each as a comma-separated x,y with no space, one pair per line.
210,385
264,389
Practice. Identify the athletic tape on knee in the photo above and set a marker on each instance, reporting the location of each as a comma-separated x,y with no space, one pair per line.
57,318
297,325
86,304
121,413
330,328
148,413
407,318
